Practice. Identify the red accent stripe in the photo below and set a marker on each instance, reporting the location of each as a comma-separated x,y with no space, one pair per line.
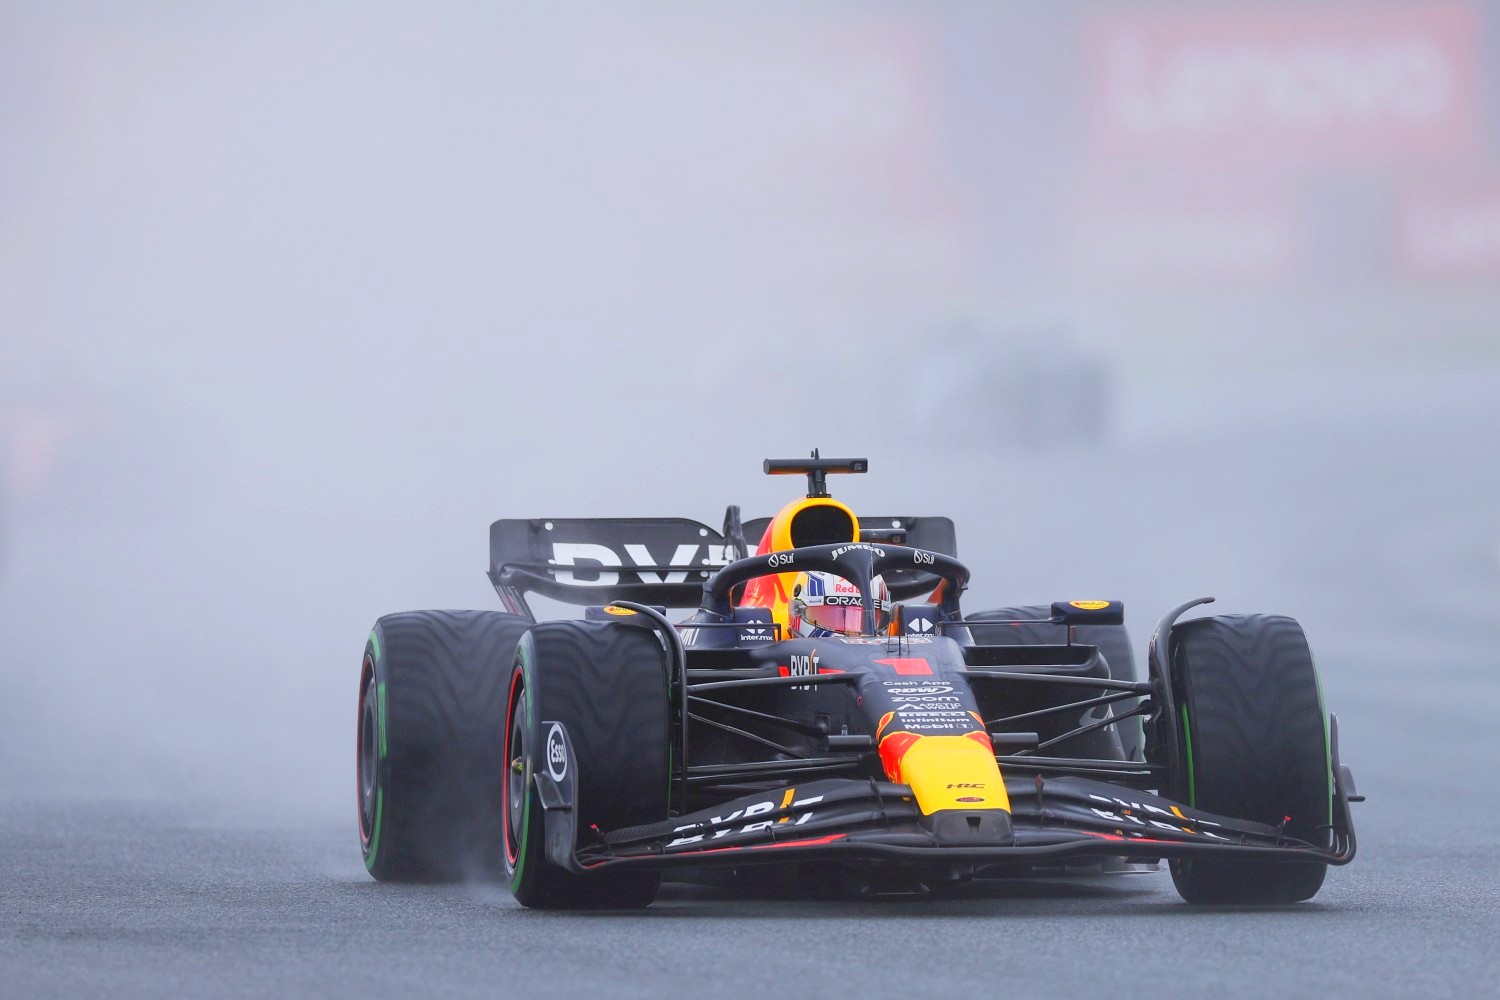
892,748
812,842
511,854
1133,840
910,666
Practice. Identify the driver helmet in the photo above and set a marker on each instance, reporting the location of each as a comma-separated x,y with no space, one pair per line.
824,604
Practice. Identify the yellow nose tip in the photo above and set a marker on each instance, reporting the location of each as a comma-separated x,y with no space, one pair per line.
949,772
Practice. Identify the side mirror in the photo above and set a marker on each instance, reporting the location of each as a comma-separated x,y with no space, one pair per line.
1088,612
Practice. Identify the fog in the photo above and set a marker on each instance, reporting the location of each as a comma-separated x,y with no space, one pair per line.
296,298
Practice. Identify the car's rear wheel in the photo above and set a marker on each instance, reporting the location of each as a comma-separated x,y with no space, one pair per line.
427,759
1113,642
607,684
1254,745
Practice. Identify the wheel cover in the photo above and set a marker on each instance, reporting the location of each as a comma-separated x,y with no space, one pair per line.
367,755
514,804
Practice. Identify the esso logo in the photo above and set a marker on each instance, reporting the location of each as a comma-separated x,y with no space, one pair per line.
776,559
557,753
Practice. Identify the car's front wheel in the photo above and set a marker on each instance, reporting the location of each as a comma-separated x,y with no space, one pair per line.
607,685
1253,745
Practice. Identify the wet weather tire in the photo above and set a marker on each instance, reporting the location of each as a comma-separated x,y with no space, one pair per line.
428,760
607,683
1253,746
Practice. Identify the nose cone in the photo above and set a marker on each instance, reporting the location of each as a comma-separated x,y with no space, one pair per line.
947,773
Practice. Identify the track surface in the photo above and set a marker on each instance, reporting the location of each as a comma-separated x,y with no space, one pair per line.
1382,539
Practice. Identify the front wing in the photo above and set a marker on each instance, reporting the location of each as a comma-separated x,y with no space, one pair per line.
857,819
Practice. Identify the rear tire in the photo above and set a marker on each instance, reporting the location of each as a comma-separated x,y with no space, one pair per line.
1113,642
431,704
1254,745
607,684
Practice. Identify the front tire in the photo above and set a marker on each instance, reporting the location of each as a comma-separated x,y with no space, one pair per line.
607,684
432,694
1254,745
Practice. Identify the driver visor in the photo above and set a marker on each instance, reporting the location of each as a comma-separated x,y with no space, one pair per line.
835,617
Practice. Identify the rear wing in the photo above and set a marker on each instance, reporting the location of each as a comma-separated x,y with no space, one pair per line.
662,561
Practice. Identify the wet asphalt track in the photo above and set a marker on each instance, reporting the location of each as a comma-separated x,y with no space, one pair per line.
164,896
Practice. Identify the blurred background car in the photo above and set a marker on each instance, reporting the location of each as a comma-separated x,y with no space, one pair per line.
990,390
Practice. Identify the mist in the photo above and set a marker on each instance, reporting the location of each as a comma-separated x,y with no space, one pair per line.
296,299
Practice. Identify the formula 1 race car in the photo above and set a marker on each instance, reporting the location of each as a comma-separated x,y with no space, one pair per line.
907,746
